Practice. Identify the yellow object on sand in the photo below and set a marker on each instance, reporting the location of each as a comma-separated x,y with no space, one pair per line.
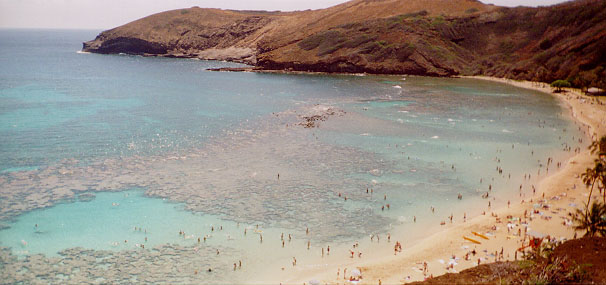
480,235
472,240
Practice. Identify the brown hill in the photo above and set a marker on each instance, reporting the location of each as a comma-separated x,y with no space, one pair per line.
423,37
577,261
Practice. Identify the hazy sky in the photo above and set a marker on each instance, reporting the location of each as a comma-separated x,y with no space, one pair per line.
105,14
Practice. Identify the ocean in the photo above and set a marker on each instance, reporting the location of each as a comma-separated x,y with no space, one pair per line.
119,168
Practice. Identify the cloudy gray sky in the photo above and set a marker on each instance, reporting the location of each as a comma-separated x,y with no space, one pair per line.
105,14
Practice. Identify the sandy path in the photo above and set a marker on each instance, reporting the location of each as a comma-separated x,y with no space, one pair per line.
562,190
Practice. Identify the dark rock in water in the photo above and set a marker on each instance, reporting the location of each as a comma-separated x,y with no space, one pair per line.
313,121
86,197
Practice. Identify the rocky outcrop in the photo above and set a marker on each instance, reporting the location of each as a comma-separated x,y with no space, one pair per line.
125,45
421,37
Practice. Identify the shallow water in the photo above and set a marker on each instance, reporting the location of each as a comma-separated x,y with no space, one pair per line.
93,146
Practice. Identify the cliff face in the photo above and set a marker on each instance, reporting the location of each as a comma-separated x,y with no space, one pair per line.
423,37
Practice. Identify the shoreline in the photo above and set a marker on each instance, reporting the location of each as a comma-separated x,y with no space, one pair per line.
561,189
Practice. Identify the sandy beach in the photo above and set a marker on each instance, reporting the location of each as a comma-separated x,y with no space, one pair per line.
559,192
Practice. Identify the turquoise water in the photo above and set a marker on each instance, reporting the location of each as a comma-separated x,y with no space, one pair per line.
166,146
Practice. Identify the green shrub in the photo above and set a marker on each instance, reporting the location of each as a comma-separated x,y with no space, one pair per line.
358,41
404,52
326,42
559,84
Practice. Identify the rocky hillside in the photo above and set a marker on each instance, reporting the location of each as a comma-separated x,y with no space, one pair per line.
422,37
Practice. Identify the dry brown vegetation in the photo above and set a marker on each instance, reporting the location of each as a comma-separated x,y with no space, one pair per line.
579,261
